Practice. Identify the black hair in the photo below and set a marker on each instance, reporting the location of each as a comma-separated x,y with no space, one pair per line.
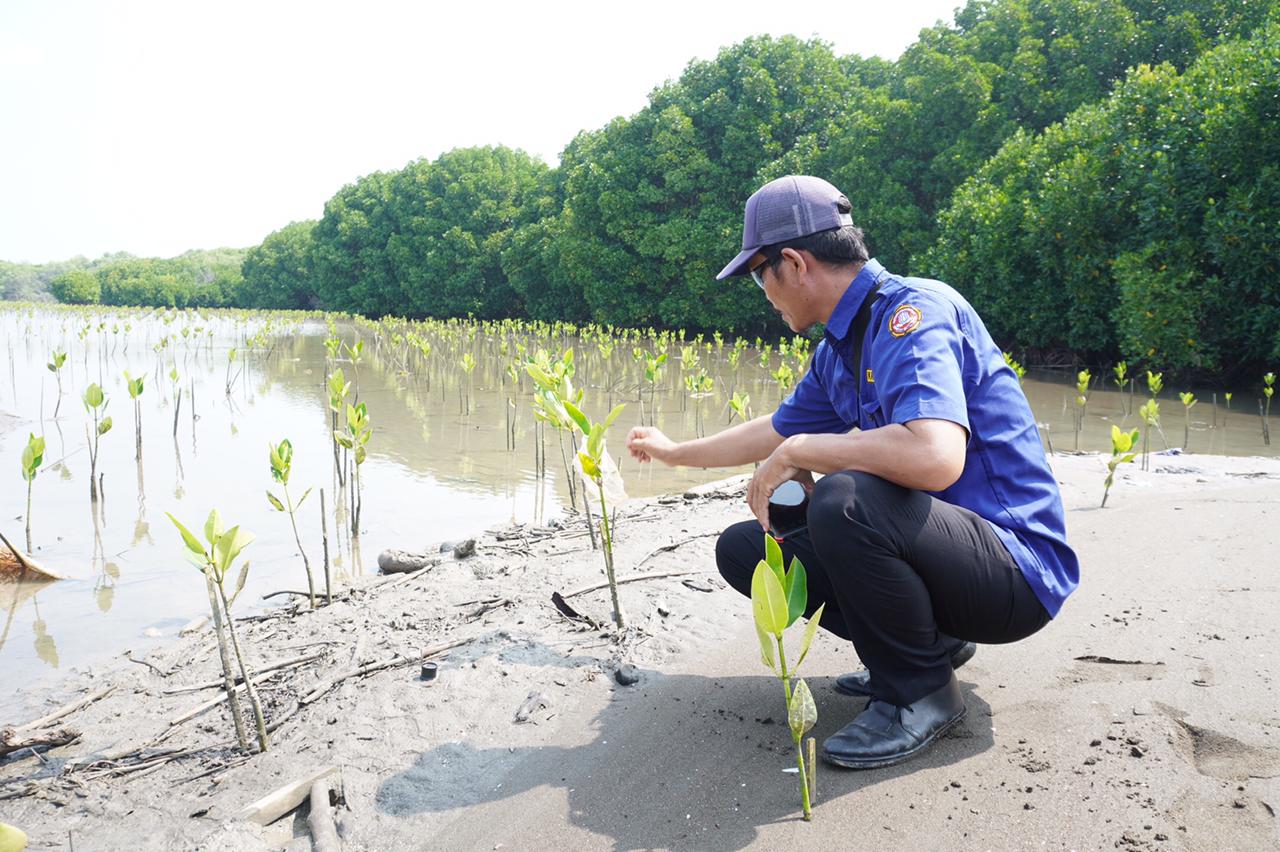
835,247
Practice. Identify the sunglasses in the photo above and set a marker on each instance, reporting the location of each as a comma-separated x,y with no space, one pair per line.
757,275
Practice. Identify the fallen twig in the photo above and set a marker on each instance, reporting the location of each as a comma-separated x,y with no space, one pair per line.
65,710
270,667
667,548
128,655
324,833
635,578
369,668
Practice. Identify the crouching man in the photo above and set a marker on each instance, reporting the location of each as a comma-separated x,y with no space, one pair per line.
937,524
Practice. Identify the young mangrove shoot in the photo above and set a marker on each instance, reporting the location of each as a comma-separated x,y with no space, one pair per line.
135,387
778,598
281,466
1188,400
55,366
32,458
1082,401
597,467
1149,411
95,402
1121,446
354,438
215,561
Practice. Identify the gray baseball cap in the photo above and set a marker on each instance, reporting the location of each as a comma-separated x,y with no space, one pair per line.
786,209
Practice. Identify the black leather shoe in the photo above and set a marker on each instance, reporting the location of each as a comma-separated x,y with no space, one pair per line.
859,683
883,734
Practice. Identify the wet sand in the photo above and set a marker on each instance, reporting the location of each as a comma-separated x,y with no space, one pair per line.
1143,717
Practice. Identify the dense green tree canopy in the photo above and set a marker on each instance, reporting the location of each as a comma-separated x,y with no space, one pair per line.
1097,175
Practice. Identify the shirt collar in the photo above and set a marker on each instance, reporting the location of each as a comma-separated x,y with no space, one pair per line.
850,303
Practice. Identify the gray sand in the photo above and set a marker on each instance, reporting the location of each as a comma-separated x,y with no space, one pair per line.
1165,658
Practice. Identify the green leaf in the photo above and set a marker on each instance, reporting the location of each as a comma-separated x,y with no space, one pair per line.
773,555
230,544
361,454
193,544
802,714
93,396
581,420
768,602
810,630
274,501
213,527
244,575
589,466
298,505
797,588
766,650
105,426
613,415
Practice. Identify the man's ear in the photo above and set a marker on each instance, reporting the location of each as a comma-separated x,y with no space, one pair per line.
795,258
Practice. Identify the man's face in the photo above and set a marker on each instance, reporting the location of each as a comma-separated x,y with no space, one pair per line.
782,288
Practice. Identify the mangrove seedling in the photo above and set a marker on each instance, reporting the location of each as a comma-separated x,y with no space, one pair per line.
135,391
468,363
339,389
785,377
1121,369
55,367
354,438
778,598
595,466
215,561
1149,411
740,407
653,372
1268,390
1188,400
1121,447
95,402
32,458
1155,383
1082,401
281,466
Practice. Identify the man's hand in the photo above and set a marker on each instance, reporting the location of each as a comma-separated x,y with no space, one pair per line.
647,443
773,471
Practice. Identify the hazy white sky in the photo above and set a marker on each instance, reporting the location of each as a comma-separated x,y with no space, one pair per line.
155,127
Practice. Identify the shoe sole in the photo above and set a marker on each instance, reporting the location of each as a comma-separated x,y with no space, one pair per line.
956,663
876,763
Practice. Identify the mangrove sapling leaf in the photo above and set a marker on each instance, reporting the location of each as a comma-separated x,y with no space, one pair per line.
1188,400
1018,369
281,458
1121,445
32,458
771,603
802,714
797,589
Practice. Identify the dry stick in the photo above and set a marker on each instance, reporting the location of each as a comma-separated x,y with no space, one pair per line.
66,709
633,579
177,409
324,536
667,548
260,675
369,668
324,833
128,655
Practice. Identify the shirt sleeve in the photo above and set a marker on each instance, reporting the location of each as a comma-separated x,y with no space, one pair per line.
808,409
918,358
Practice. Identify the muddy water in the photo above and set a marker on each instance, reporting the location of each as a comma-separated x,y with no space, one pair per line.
440,464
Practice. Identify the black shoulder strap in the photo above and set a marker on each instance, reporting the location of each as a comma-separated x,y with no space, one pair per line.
853,350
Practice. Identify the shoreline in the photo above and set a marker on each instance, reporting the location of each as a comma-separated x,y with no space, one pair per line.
1193,687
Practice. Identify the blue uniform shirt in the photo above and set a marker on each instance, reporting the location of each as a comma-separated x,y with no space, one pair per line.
928,355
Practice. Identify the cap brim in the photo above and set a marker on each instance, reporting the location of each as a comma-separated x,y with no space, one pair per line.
737,266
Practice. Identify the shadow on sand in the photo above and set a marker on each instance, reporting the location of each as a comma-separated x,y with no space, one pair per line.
677,762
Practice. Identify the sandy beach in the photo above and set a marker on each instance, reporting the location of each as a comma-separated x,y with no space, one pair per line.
1144,717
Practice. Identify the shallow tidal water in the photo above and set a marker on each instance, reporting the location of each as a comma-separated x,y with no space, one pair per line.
439,467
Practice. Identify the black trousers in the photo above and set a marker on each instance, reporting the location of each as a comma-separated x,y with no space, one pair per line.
904,576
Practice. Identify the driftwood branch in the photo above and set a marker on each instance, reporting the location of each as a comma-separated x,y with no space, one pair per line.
324,833
279,802
11,740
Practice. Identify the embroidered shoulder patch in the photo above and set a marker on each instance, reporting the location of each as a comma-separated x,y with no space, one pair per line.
904,320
